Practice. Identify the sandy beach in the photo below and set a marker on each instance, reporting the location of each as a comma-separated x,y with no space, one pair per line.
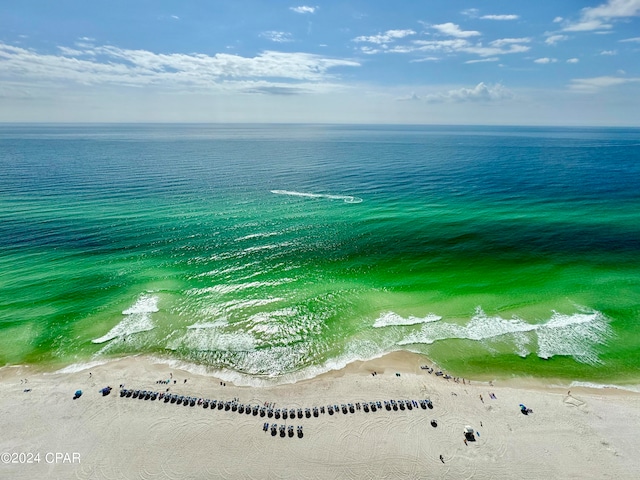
587,433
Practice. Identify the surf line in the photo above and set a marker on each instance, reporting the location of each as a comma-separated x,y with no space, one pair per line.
345,198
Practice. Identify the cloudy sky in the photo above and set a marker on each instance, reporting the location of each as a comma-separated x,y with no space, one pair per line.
566,62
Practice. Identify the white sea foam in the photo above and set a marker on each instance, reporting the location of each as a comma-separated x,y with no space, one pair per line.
522,342
222,322
137,319
209,339
258,302
279,365
144,304
344,198
285,326
257,235
630,388
226,270
237,287
388,319
79,367
271,246
572,335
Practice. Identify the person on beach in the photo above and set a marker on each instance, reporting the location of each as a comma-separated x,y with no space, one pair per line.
441,458
481,399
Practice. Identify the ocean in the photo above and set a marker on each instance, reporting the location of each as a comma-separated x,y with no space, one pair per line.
282,251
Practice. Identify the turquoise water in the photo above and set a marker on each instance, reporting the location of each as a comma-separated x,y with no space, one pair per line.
288,250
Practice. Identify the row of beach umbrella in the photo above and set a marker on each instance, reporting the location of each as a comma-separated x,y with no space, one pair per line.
277,413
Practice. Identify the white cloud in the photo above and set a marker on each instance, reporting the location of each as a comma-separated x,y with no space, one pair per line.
608,52
500,17
454,45
369,51
509,41
480,93
278,37
554,39
573,60
459,45
453,30
613,9
594,18
303,9
85,42
490,59
446,46
587,26
413,97
177,71
471,12
70,52
495,50
592,85
558,19
386,37
545,60
634,39
424,59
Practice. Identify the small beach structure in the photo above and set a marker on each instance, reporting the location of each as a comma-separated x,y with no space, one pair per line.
469,433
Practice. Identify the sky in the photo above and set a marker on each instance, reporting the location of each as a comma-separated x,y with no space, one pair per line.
473,62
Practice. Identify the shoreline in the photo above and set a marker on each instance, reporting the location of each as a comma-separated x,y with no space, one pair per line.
402,360
581,433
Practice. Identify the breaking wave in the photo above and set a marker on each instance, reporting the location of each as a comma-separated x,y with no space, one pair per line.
137,319
390,319
573,335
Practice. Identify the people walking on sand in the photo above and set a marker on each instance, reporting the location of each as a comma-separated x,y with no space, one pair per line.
441,458
481,399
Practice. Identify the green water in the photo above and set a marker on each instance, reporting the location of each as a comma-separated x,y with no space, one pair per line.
284,251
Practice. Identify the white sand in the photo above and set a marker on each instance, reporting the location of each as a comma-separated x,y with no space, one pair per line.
590,434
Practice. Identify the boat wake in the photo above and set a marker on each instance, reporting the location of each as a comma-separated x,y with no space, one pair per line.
344,198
